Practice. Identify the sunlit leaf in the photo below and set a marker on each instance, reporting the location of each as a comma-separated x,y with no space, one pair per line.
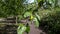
26,14
36,22
21,29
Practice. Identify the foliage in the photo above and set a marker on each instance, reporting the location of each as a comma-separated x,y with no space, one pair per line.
10,7
32,18
23,8
21,29
27,28
36,22
30,4
46,4
51,23
26,14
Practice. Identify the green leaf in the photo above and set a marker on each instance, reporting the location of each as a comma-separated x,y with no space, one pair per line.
27,14
27,29
37,16
21,29
36,22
